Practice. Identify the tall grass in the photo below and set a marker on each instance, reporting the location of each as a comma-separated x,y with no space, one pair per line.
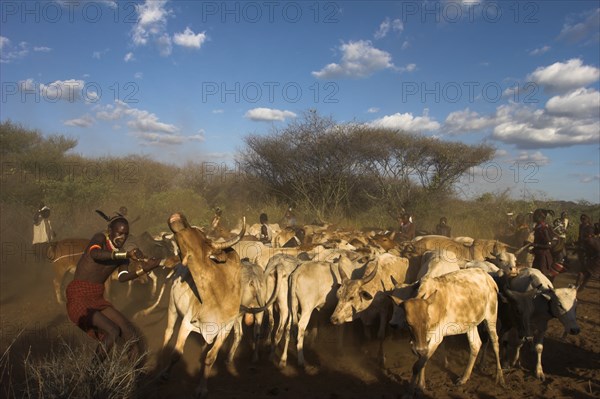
73,372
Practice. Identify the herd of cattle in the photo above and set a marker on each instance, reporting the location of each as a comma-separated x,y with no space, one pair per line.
433,286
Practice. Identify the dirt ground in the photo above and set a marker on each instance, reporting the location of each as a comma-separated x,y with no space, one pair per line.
28,309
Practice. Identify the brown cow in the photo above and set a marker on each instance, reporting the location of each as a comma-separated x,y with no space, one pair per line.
451,304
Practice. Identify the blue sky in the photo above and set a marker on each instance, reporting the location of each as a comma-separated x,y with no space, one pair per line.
186,81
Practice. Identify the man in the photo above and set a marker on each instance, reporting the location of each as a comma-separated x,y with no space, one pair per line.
584,229
591,267
266,233
407,228
43,233
86,305
542,242
442,227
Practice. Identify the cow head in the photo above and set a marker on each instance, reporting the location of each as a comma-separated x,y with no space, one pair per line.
193,243
506,262
354,295
521,305
400,294
563,305
421,315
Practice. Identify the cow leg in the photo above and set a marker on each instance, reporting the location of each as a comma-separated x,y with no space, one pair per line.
154,279
283,317
302,324
383,318
293,315
493,337
171,320
258,320
129,288
58,290
211,356
286,342
237,338
418,370
474,345
184,331
539,348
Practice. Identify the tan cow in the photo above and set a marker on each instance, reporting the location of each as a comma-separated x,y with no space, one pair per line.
64,255
451,304
215,269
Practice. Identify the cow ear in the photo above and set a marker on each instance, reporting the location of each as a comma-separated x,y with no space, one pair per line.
186,260
547,294
366,296
429,298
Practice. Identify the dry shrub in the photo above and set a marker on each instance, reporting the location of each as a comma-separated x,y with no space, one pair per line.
73,372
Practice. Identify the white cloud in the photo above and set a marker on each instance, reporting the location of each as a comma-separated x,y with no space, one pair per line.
129,57
189,39
562,77
10,53
70,90
539,51
151,26
138,75
42,49
536,157
500,153
583,26
268,114
530,128
373,110
407,122
218,111
84,121
467,121
405,45
580,103
384,28
140,121
359,59
526,127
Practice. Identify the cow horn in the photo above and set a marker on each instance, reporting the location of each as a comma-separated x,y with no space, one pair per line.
343,275
371,275
518,251
233,241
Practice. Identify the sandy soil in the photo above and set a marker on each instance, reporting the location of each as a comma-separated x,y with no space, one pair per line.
572,366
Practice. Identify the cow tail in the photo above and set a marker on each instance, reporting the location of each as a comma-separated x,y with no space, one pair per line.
292,301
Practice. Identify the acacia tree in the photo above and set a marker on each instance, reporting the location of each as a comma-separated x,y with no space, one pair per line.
335,169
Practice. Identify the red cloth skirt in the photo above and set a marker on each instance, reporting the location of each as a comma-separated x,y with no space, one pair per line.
83,300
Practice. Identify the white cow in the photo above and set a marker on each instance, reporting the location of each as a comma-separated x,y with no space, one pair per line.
538,310
312,286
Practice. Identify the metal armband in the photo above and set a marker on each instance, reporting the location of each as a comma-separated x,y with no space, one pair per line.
139,272
119,255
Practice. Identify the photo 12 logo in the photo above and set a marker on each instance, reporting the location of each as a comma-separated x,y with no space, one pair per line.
252,12
271,92
71,90
471,11
471,91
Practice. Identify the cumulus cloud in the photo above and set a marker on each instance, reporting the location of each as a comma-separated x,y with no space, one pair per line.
84,121
580,103
268,114
139,120
539,51
564,76
407,122
42,49
359,59
189,39
467,121
129,57
529,128
71,90
151,22
373,110
585,26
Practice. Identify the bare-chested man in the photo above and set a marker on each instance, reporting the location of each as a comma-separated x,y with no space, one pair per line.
86,305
